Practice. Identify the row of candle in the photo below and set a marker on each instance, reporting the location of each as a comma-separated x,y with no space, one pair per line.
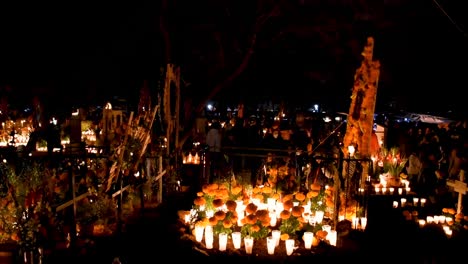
416,201
272,241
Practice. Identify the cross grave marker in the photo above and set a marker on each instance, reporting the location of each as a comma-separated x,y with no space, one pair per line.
460,187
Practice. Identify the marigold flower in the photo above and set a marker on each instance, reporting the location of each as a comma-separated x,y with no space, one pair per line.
227,223
276,196
287,197
200,194
236,190
218,203
313,194
300,196
315,187
213,221
220,215
250,219
266,221
285,214
321,234
222,194
231,205
199,201
255,228
445,210
259,196
309,194
267,190
452,211
297,211
251,208
234,219
262,214
288,205
284,237
256,190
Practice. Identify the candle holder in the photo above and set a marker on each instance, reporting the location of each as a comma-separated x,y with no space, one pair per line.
271,244
289,246
248,244
236,239
308,238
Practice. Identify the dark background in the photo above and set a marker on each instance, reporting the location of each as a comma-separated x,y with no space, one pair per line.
306,52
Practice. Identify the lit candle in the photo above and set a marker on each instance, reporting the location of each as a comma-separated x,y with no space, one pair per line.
422,222
273,219
423,202
395,204
400,191
236,239
332,237
199,232
276,234
222,239
319,216
363,223
403,202
248,244
415,201
209,237
391,189
308,237
271,244
289,246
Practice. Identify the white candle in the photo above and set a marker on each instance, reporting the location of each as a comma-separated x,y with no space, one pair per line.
289,246
415,201
236,239
308,238
400,191
248,244
199,233
276,234
273,219
363,223
271,244
319,216
391,189
423,202
222,240
209,237
422,222
403,202
395,204
332,237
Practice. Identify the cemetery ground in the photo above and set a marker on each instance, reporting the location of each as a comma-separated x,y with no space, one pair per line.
155,234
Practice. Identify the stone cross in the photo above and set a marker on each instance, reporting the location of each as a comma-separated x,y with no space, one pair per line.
460,187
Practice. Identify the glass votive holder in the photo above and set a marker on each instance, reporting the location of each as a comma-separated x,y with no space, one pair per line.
276,234
363,223
423,202
308,238
236,239
199,229
248,244
271,244
403,202
222,241
289,246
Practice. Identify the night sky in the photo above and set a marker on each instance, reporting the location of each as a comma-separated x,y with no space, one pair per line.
305,52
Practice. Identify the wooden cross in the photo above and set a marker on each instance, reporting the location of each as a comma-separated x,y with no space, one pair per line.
460,187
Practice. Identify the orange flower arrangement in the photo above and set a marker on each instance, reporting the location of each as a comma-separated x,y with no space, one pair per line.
256,223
